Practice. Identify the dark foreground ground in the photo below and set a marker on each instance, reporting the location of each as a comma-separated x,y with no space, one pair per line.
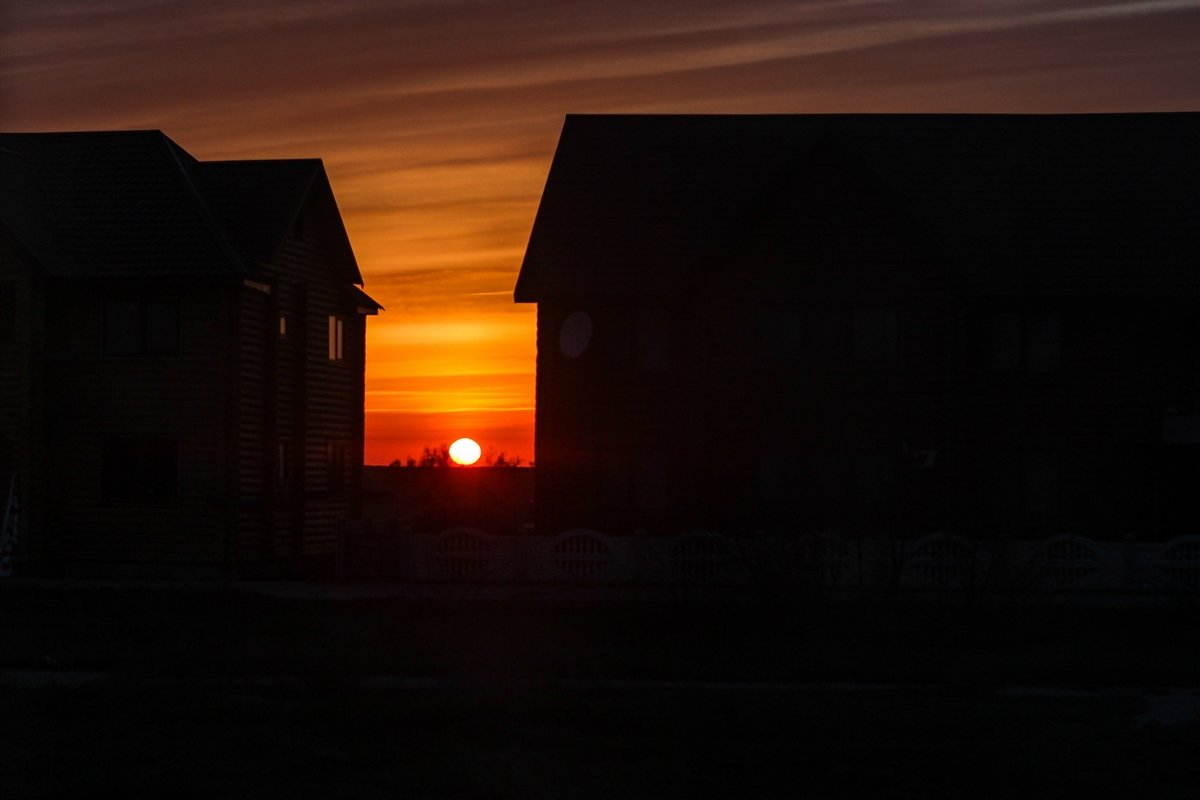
222,693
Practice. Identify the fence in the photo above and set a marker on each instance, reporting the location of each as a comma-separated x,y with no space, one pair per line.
1068,568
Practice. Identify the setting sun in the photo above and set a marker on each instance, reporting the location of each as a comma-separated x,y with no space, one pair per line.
465,452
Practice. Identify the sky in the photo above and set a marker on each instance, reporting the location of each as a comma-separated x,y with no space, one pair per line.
437,121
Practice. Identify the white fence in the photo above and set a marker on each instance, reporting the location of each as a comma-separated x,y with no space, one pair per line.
1069,568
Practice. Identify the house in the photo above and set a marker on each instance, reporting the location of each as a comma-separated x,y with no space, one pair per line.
877,325
181,354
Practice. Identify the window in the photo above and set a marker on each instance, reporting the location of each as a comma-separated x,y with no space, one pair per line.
283,325
781,479
650,480
8,312
826,331
653,340
336,339
141,328
874,478
1024,482
140,470
614,477
1029,341
874,334
335,459
1041,483
781,333
285,469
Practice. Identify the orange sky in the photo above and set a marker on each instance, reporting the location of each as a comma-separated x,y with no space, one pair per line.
437,122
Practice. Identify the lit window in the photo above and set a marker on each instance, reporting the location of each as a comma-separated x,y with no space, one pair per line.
335,339
283,322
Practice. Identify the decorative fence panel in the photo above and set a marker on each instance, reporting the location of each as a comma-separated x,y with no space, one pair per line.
1063,568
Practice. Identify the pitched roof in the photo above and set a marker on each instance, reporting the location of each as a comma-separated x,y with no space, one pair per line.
120,204
135,204
259,202
1101,202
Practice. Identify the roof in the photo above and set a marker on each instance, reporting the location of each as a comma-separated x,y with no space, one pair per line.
259,202
1010,202
363,301
135,204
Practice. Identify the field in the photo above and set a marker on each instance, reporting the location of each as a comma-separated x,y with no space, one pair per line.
230,693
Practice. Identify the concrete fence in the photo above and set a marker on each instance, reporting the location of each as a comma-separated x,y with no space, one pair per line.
1068,568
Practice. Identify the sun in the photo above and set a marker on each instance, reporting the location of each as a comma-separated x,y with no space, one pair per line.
465,452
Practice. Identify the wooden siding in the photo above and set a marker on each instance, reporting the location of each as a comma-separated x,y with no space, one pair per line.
726,418
21,388
753,437
254,415
92,397
749,434
317,401
165,454
1098,415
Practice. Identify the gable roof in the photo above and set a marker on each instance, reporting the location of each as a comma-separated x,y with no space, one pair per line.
135,204
1101,202
259,201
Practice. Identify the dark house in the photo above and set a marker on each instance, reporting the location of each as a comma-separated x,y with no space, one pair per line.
181,354
870,324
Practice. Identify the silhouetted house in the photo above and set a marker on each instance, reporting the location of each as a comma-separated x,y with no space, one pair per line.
876,324
181,346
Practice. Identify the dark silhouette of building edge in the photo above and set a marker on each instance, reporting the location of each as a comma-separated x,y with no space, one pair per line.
182,346
874,325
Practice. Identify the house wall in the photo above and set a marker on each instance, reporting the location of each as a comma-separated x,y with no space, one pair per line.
773,413
1080,449
803,371
742,434
253,421
182,397
21,388
292,392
